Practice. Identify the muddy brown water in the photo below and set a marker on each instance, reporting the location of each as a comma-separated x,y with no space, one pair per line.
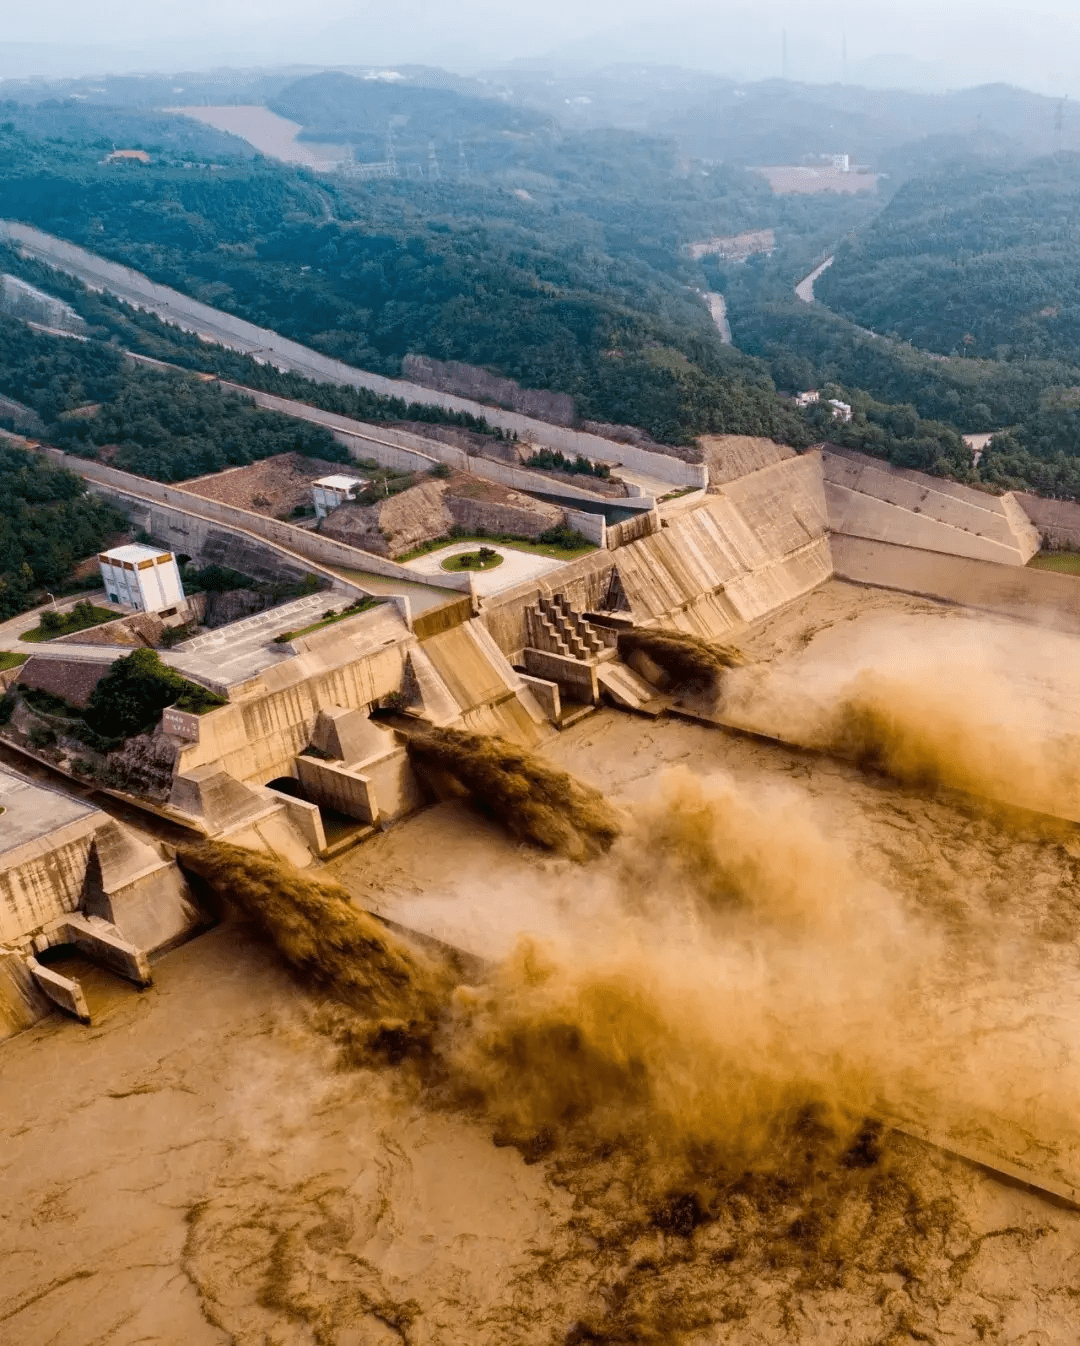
200,1168
104,990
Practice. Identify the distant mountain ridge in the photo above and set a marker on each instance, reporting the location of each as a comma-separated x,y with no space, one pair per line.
710,116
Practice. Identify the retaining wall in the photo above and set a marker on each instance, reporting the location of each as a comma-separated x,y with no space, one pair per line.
1058,521
591,526
871,499
188,314
1040,597
408,452
414,453
43,880
299,542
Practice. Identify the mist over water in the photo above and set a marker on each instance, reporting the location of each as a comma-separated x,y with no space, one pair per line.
710,1025
963,704
738,973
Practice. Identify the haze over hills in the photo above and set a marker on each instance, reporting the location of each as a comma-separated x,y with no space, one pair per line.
710,117
539,226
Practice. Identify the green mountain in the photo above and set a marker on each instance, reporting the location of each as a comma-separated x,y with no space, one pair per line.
975,260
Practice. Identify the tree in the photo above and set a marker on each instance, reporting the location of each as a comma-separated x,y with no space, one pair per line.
129,699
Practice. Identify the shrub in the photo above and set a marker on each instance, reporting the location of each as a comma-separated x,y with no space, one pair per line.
551,460
129,699
45,703
562,535
51,621
440,470
7,707
41,737
176,635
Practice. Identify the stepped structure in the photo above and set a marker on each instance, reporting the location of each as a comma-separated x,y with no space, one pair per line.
759,542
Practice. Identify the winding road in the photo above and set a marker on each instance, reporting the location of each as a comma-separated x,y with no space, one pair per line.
805,287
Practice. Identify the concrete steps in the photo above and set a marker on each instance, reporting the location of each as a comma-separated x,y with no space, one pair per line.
556,628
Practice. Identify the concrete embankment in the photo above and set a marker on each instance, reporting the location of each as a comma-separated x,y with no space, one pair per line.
758,543
1039,597
185,521
268,346
871,499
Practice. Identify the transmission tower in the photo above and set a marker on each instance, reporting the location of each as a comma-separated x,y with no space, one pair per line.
391,157
1059,125
433,171
463,163
783,56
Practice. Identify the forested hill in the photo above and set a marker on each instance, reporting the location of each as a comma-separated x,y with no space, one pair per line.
577,282
973,260
341,108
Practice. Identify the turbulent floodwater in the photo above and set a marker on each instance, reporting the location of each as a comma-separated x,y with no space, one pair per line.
649,1117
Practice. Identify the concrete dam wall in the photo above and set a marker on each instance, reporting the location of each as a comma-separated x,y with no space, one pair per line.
1037,596
871,499
756,544
1057,521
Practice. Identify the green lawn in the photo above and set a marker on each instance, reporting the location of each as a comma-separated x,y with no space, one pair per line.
8,659
70,623
491,539
1064,562
471,560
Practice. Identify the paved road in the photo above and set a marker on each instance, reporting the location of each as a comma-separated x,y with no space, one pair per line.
718,308
805,291
10,631
271,348
805,287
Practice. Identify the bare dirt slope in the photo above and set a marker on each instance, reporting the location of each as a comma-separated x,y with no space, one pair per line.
274,486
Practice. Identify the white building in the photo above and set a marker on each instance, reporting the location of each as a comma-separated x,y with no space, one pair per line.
807,399
841,410
329,492
144,578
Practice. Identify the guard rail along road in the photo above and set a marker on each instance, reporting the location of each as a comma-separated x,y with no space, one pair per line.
227,330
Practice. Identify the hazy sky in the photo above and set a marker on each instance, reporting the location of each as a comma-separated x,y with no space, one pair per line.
958,41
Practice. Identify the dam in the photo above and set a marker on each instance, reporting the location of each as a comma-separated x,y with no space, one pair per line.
780,939
309,755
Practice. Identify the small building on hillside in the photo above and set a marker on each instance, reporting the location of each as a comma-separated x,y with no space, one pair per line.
807,399
329,492
127,156
144,578
841,410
